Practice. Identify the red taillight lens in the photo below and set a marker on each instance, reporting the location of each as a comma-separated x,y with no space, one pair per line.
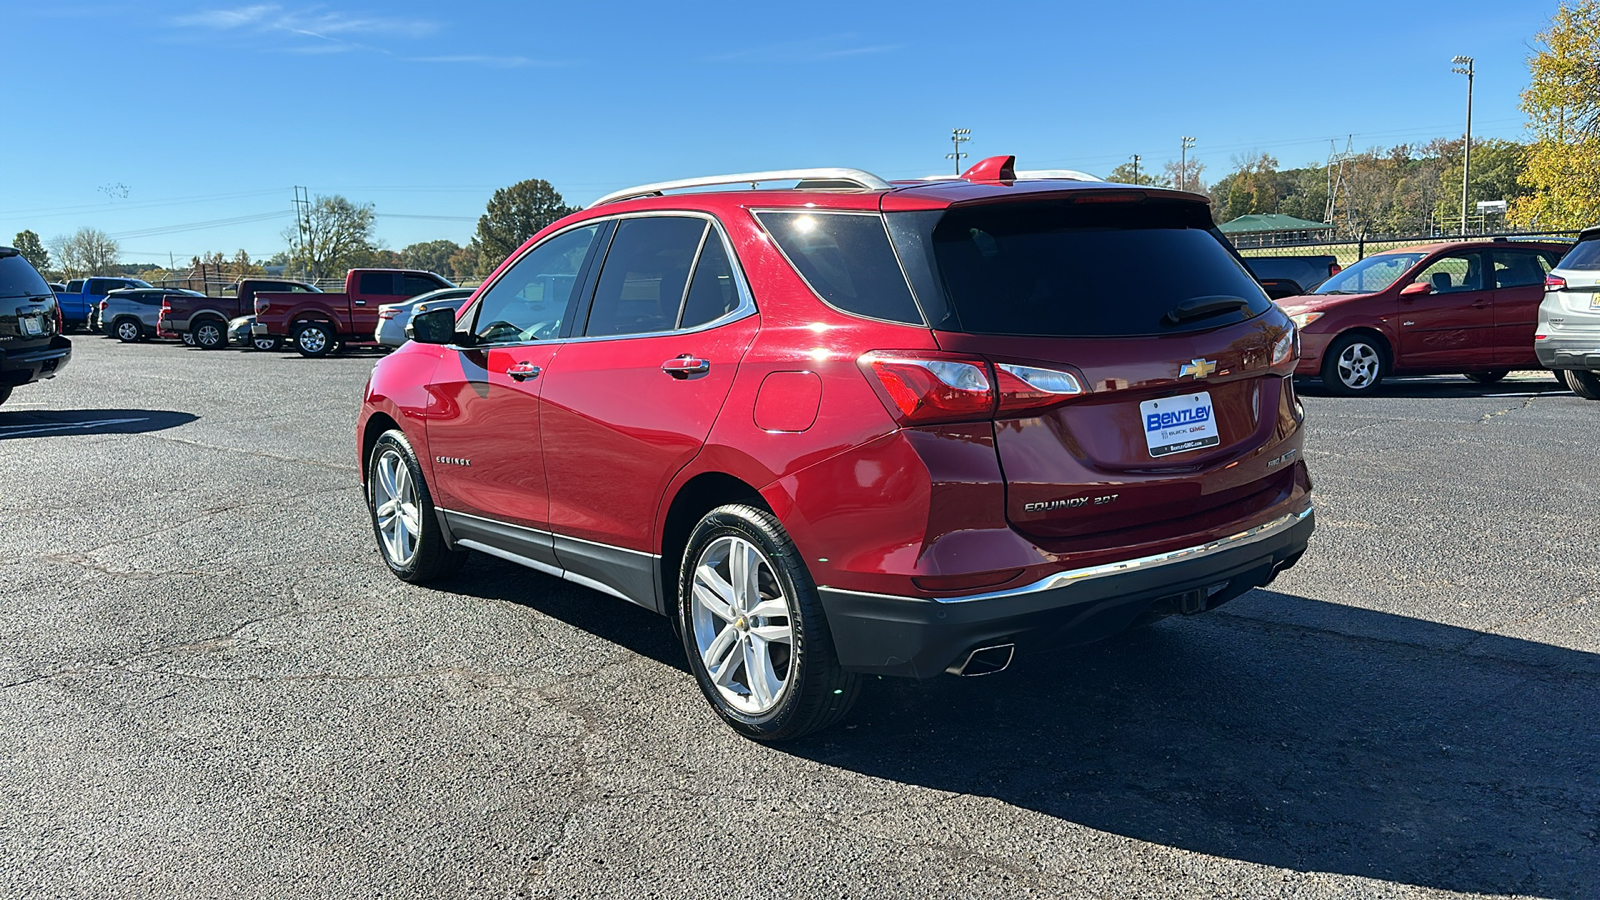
1023,388
919,387
1555,283
166,306
1334,269
104,304
385,313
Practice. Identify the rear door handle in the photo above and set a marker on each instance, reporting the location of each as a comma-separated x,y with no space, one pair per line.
522,371
686,365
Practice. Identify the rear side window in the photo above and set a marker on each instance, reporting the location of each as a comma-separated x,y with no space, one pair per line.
412,285
644,276
18,279
712,292
1584,257
1519,268
377,283
847,260
1090,270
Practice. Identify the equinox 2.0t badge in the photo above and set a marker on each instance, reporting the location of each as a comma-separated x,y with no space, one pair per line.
1199,368
452,460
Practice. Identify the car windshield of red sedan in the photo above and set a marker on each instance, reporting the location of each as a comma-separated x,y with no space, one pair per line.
1371,275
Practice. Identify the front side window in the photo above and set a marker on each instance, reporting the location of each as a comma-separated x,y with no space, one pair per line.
1453,274
534,297
1519,268
645,273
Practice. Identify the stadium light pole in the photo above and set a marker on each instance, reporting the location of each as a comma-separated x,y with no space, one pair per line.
958,136
1183,164
1463,66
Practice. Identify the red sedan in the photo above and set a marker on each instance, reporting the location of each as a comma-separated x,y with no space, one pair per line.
1465,308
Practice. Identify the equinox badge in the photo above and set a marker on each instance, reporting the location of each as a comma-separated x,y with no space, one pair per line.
1199,368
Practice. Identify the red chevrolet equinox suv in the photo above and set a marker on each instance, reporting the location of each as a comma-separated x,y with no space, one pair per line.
846,426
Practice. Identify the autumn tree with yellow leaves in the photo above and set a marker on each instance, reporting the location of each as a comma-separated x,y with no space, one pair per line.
1562,101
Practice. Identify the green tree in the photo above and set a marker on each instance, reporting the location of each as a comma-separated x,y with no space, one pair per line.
32,250
466,262
1124,174
433,256
1562,100
515,214
331,237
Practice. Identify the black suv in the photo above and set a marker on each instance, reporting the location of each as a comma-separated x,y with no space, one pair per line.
31,345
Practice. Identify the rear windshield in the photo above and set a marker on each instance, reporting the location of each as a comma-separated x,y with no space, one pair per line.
1062,269
18,279
1584,257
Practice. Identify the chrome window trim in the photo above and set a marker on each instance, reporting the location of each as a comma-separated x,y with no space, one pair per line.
747,302
755,214
1089,573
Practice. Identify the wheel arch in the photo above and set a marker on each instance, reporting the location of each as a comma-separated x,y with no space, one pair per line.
696,497
375,426
1383,342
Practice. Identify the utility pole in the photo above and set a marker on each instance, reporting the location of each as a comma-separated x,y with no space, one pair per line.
958,136
1183,164
1136,159
1463,66
302,222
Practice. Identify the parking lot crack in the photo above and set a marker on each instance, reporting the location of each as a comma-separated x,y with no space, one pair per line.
337,467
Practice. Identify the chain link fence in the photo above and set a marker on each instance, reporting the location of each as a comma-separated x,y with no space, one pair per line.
1347,251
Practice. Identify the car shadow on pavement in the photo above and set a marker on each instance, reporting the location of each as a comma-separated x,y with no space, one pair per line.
1444,387
1334,740
618,621
19,424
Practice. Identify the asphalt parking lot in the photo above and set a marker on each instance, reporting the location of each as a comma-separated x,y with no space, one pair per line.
211,687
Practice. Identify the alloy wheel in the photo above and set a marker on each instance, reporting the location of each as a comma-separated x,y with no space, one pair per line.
1358,366
313,340
127,331
395,502
265,343
742,625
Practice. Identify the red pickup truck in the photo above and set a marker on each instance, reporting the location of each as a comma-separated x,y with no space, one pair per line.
322,323
203,321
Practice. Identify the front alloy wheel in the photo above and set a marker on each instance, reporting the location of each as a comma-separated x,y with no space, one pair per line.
754,629
128,331
1354,366
403,517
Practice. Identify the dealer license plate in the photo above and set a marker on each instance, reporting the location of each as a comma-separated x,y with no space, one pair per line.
1178,424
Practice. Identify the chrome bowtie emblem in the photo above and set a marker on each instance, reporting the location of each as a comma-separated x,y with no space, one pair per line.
1199,368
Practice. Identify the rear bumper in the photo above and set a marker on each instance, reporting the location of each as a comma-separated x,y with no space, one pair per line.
920,638
1569,352
24,366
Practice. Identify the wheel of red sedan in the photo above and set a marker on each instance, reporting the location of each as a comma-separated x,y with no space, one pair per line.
1354,365
754,630
403,517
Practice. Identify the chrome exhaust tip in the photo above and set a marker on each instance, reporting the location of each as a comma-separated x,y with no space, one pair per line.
985,661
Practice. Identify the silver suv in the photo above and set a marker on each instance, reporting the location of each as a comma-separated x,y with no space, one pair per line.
131,314
1568,336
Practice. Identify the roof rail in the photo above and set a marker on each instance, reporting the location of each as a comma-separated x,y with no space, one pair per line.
833,178
1025,175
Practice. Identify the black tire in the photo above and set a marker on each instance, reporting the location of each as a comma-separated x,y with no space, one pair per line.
266,344
1485,377
433,559
210,334
1360,375
128,330
188,338
315,340
1584,383
816,693
5,393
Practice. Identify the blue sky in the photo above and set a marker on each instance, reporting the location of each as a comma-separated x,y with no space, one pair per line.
181,127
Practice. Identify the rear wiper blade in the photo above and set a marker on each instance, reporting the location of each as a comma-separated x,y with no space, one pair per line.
1201,307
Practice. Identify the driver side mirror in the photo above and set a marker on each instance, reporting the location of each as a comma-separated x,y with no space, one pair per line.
436,326
1416,289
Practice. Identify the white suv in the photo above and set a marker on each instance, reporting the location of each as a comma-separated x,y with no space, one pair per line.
1568,337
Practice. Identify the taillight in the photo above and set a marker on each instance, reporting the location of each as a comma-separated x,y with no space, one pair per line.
166,306
1555,283
1286,352
1334,269
919,387
922,387
1023,388
262,306
104,304
385,313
